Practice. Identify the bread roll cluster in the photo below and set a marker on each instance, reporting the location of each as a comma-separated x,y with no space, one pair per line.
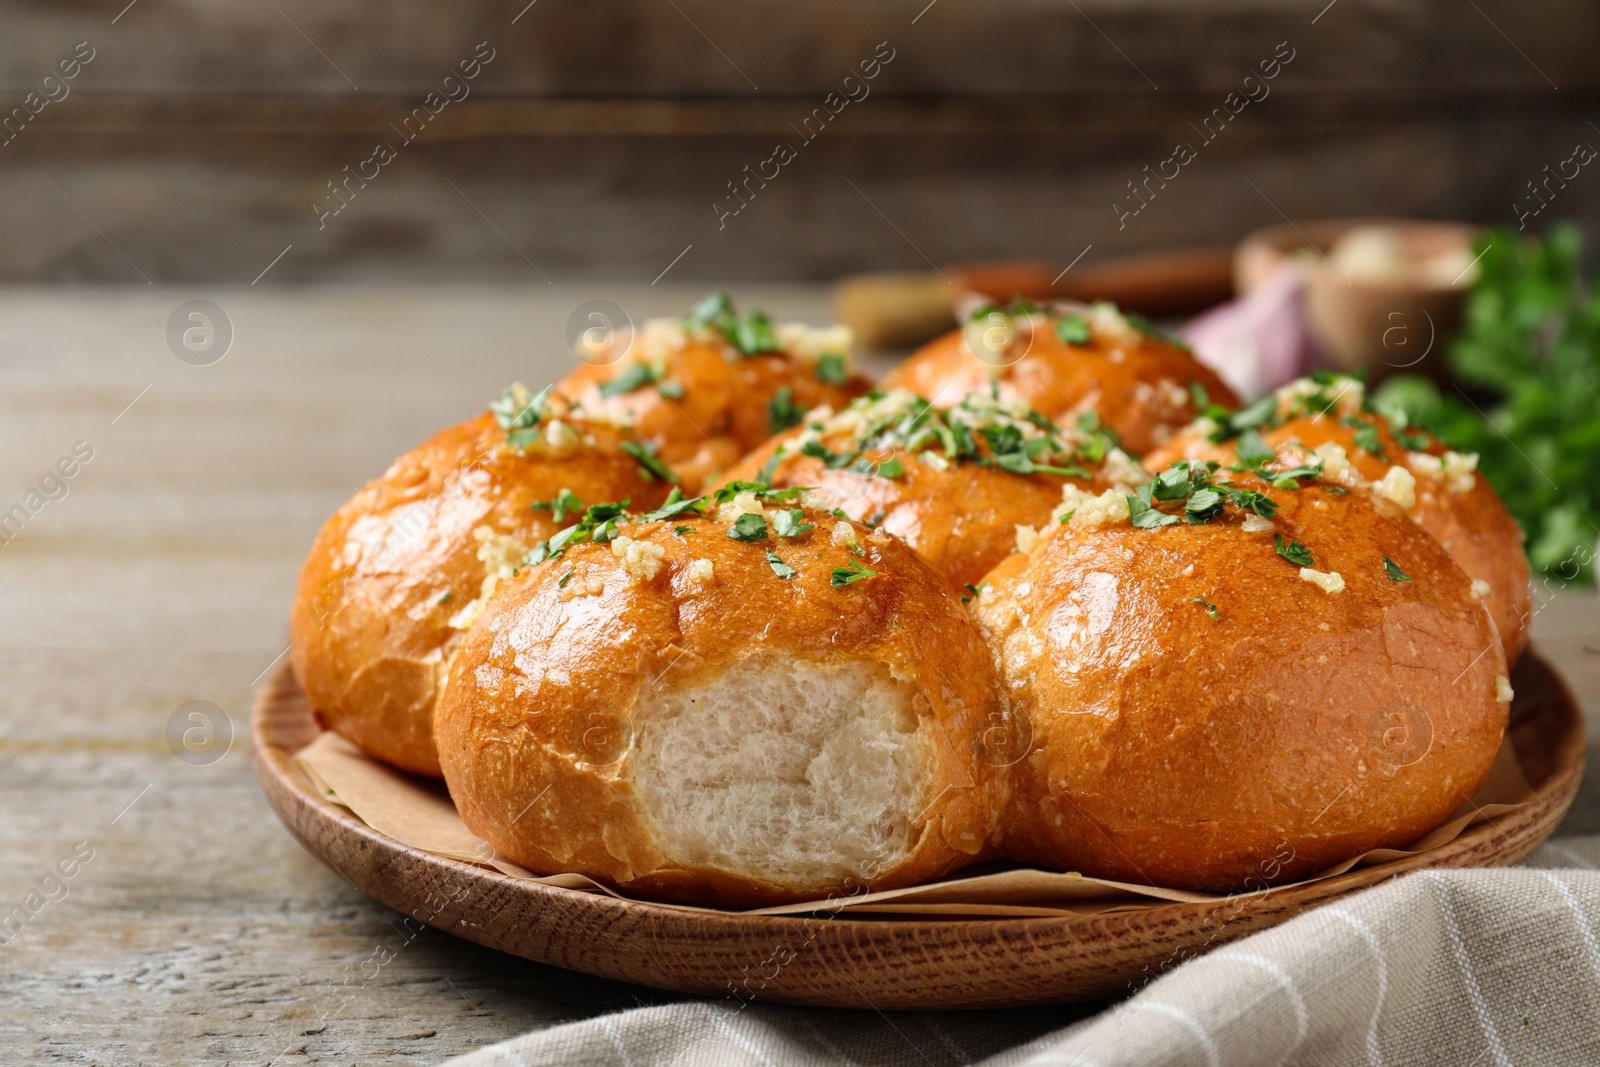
798,637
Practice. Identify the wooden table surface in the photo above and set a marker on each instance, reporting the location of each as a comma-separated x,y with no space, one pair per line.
197,930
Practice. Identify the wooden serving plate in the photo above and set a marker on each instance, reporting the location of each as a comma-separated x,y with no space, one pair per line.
854,962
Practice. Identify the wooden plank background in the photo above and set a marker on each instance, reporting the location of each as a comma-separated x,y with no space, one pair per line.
594,144
200,932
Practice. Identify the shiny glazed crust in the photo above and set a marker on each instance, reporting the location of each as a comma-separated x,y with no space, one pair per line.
1294,729
1473,526
536,725
371,623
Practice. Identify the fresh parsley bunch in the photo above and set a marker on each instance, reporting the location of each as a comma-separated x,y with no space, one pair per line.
1529,351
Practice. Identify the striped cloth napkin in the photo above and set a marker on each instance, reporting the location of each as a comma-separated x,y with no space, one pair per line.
1463,967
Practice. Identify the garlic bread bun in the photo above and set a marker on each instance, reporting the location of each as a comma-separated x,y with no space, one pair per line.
1240,700
398,573
757,705
1064,360
705,389
1326,421
959,485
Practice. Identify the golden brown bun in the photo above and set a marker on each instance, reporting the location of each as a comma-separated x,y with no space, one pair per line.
371,623
1293,730
724,410
1468,518
961,518
1138,384
557,729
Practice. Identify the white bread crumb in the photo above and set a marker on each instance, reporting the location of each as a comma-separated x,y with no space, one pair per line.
1503,693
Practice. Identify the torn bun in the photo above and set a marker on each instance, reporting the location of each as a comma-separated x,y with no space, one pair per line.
739,720
398,573
1328,422
962,486
1240,701
1065,360
706,389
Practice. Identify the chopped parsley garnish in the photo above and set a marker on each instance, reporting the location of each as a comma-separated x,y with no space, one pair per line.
831,369
1394,572
1339,489
633,376
683,531
782,413
562,584
1252,450
670,389
973,591
1203,499
890,468
1293,551
566,501
851,572
516,410
1073,330
789,523
1211,609
750,333
1414,440
1257,413
1366,435
749,527
649,465
675,504
1145,517
1150,329
779,567
444,597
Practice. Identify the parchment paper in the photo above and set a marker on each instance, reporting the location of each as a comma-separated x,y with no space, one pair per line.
418,812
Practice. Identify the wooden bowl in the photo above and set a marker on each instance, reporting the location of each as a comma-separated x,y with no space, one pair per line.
852,962
1385,328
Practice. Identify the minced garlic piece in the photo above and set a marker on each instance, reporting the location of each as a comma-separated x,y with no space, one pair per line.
1328,582
811,343
1336,465
1175,395
641,559
1109,506
745,503
501,557
844,534
1460,470
661,337
1122,469
559,435
1072,498
1481,588
1027,538
815,501
1400,486
1457,469
1426,465
1106,320
1254,523
1503,693
701,570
